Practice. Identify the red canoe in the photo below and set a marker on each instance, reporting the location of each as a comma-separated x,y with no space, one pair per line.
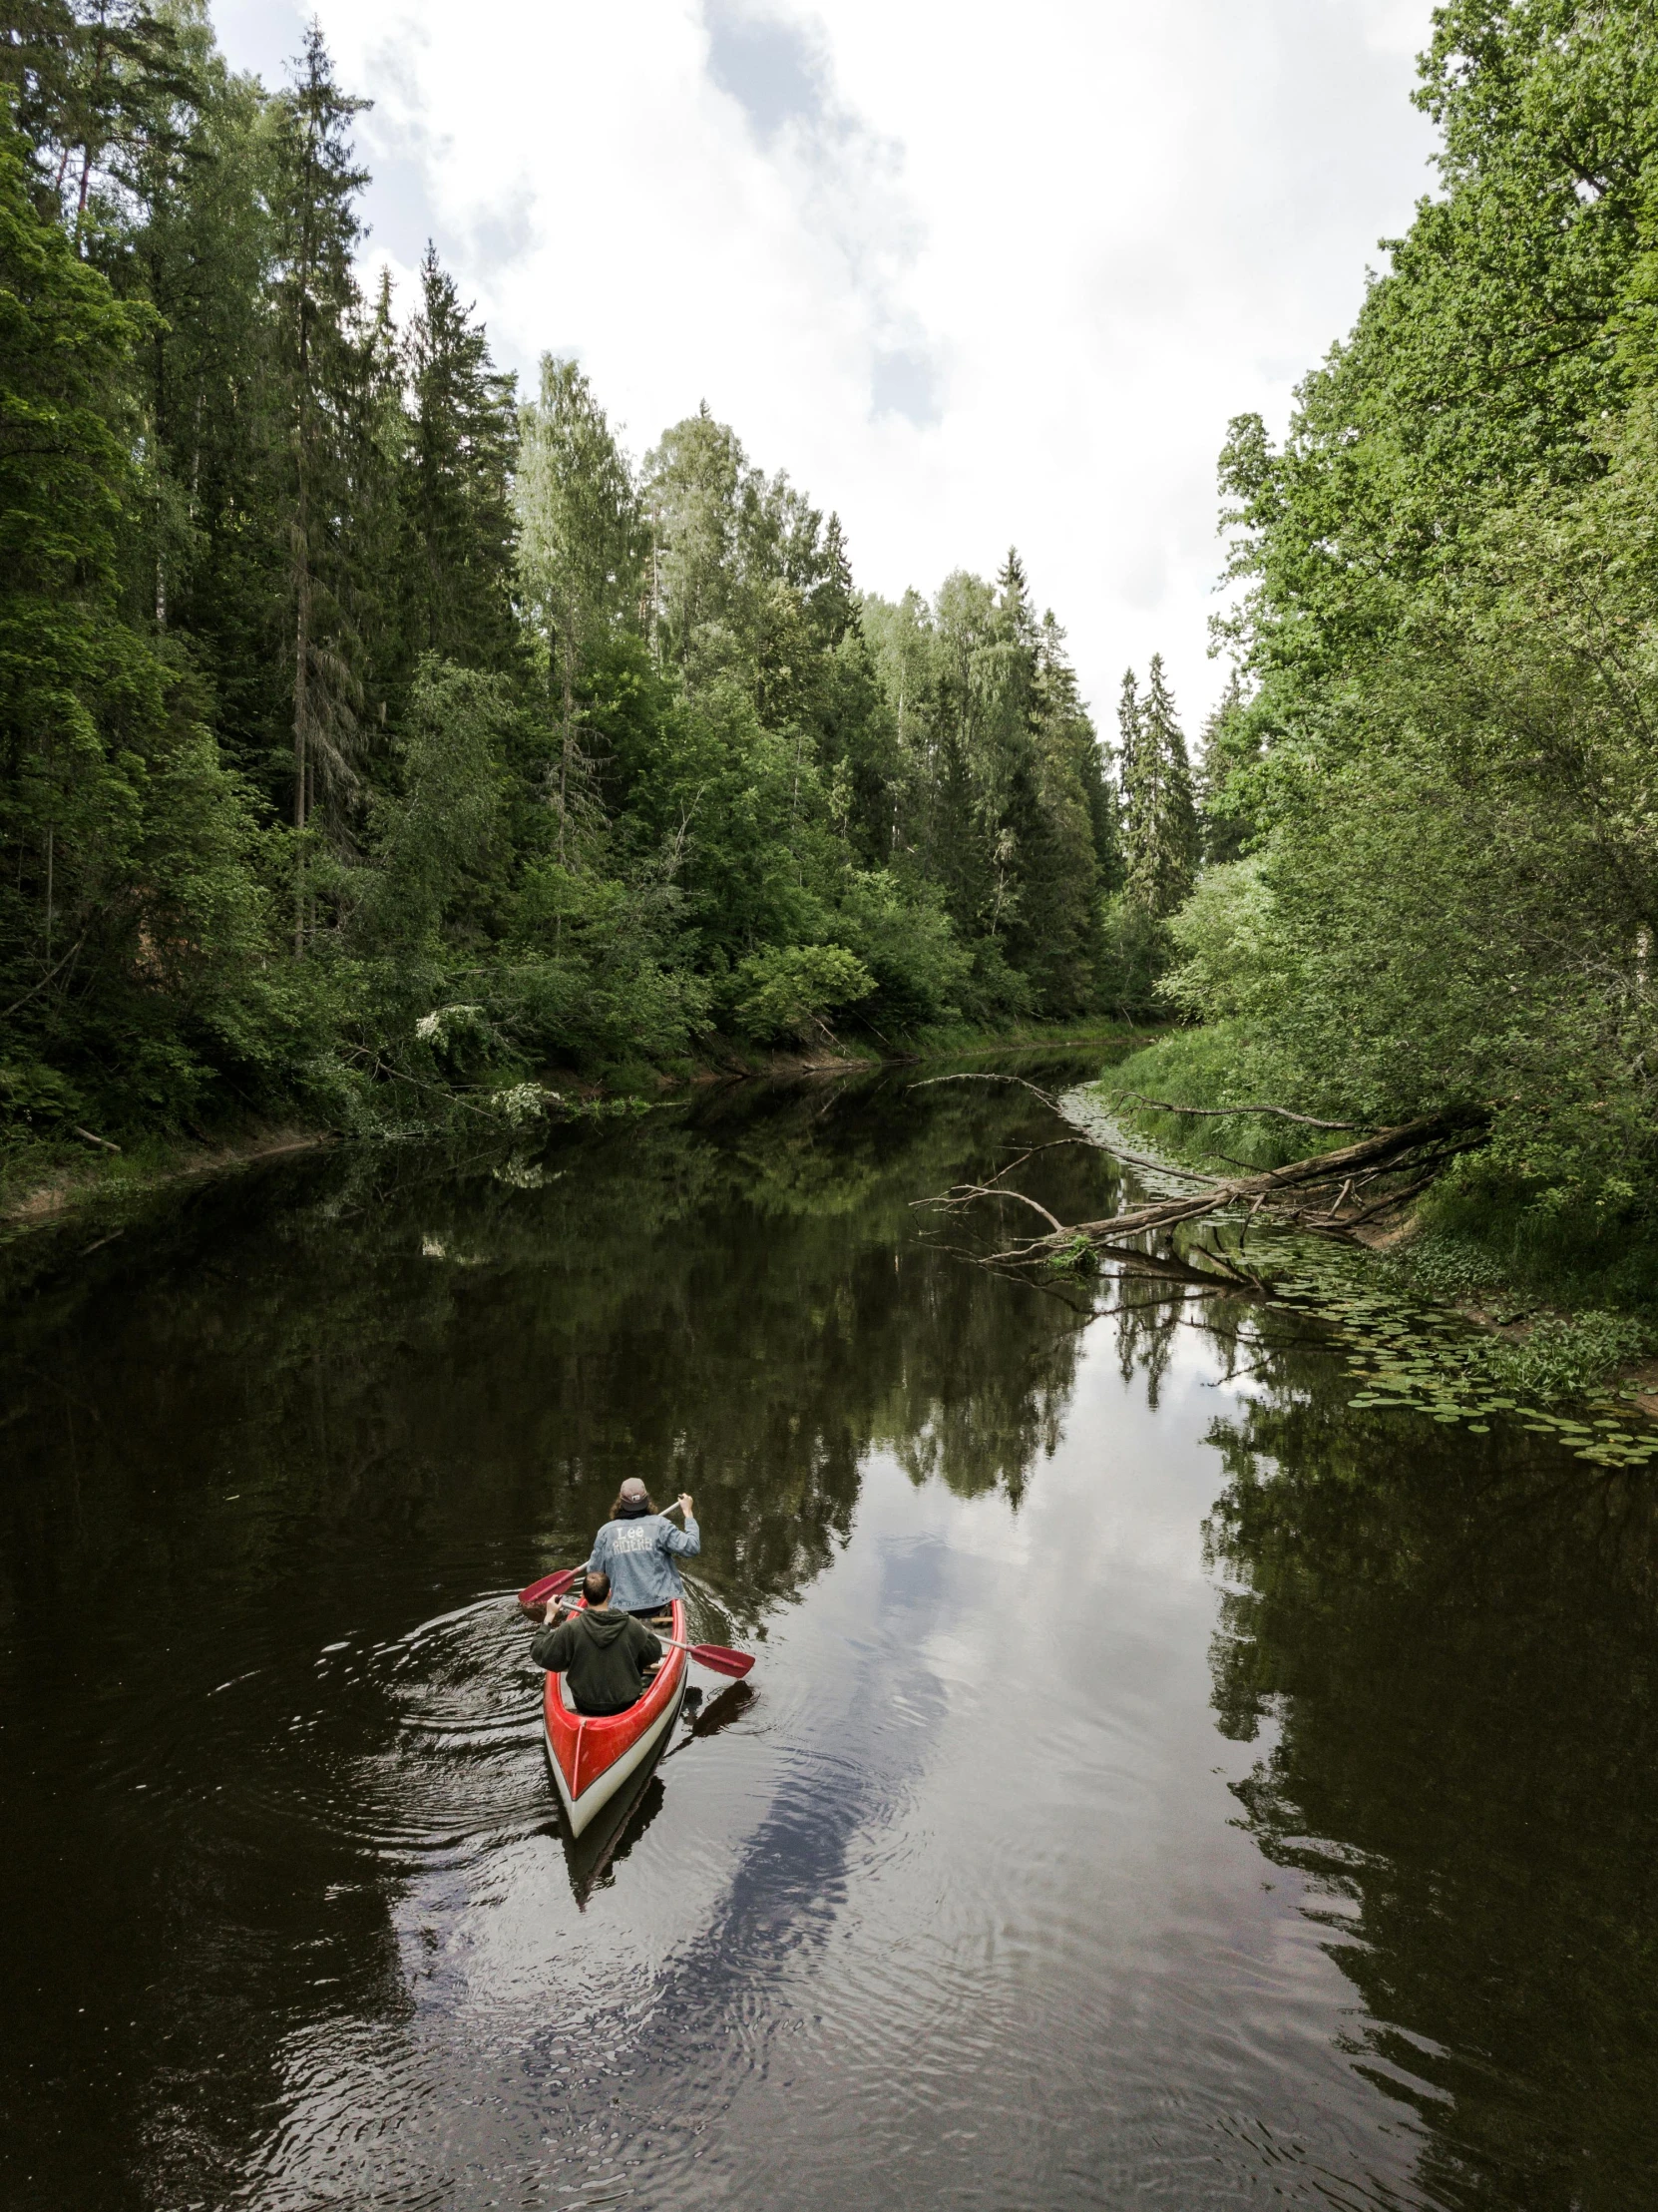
590,1757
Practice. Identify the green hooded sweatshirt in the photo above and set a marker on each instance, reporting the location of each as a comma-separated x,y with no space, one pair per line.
603,1655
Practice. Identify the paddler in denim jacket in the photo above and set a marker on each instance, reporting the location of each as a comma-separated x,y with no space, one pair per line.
637,1549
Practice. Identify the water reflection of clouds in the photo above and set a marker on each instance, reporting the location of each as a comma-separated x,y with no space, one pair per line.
963,1909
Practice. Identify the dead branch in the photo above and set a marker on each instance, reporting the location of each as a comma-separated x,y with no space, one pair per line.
1054,1144
41,984
960,1193
1389,1204
1309,1120
1047,1097
1413,1147
1157,1167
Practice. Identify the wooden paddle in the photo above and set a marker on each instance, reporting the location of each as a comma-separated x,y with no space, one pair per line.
719,1659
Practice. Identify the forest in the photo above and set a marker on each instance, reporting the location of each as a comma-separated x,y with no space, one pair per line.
381,741
382,744
1430,797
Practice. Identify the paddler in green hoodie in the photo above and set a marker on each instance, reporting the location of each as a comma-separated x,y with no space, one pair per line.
602,1655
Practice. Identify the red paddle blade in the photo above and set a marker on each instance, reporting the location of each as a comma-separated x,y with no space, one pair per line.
550,1585
722,1659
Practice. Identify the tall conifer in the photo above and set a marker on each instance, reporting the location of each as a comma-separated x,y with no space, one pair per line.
318,305
457,501
1160,815
581,550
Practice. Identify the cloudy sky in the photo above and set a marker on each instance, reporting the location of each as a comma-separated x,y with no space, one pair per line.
975,276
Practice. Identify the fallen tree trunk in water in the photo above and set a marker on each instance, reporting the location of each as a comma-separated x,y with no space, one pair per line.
1298,1191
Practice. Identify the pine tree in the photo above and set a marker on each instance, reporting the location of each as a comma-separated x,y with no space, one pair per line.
104,89
1160,816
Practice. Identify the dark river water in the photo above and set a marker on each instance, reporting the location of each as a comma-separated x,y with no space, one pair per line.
1161,1784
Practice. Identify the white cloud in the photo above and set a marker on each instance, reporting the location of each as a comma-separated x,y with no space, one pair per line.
971,275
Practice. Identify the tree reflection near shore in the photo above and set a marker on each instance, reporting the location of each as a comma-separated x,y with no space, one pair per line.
1453,1644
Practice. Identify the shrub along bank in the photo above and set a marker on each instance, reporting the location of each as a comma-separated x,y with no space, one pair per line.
1430,828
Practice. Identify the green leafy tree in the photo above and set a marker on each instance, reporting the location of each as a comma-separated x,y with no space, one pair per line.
789,991
1438,752
134,929
306,619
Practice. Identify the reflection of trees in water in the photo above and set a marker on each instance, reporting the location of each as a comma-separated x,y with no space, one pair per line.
1457,1640
340,1394
730,1299
1149,1313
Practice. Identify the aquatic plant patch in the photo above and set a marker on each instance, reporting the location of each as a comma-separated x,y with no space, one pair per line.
1411,1356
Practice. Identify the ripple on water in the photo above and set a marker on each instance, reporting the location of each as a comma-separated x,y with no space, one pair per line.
422,1749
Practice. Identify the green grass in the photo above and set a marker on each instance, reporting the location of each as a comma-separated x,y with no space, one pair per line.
1214,1067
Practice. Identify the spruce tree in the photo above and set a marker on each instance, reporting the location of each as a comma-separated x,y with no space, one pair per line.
580,553
1132,777
457,561
131,925
74,683
1076,854
317,376
210,560
1231,749
368,550
1002,697
1160,815
1064,704
830,597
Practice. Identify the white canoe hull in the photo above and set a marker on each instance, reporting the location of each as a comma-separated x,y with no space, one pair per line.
580,1811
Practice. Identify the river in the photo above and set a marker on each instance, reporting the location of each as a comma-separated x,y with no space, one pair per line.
1161,1784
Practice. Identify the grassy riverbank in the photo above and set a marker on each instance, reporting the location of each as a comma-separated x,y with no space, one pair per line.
1569,1297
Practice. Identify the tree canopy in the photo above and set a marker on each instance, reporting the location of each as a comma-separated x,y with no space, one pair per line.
364,724
1429,791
